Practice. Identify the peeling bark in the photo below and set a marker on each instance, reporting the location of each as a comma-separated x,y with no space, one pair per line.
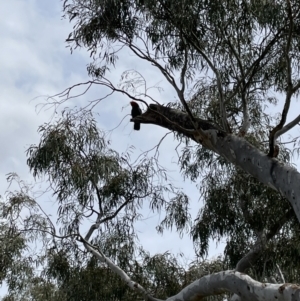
236,150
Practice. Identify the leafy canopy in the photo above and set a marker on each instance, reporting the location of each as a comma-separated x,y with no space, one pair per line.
229,62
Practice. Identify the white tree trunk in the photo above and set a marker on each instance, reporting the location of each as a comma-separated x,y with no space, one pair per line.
240,284
236,150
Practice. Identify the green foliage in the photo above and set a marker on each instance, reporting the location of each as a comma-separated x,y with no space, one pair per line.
239,53
78,165
243,39
10,250
88,180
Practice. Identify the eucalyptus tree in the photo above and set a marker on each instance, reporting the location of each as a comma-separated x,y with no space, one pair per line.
234,54
99,194
227,62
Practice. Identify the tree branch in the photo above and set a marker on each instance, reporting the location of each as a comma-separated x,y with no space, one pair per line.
287,127
249,259
219,84
289,85
100,221
240,284
246,119
132,284
249,74
168,76
283,178
280,273
211,65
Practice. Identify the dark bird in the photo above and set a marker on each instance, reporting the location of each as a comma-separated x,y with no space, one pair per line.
136,111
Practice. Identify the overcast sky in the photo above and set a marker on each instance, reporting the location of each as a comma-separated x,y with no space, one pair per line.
35,63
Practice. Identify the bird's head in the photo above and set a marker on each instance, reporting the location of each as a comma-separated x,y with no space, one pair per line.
134,104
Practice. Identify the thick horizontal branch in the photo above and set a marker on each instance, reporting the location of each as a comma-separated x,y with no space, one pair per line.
236,150
178,121
240,284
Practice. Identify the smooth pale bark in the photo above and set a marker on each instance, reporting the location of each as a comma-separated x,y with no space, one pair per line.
132,284
241,284
237,150
244,287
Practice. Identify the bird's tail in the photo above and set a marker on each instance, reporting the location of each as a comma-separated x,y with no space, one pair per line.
137,126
